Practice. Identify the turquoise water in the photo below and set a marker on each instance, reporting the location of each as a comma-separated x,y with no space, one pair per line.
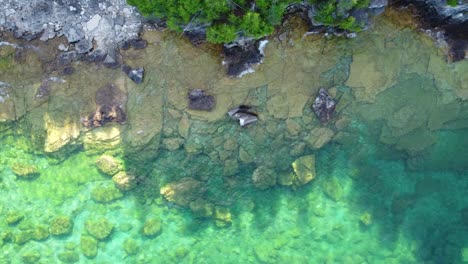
390,182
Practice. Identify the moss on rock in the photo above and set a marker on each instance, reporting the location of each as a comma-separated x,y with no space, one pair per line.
152,227
99,228
105,193
124,181
24,170
31,257
61,225
14,217
23,237
41,232
69,256
89,246
223,217
130,246
109,165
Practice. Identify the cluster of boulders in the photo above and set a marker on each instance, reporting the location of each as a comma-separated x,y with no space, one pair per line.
94,27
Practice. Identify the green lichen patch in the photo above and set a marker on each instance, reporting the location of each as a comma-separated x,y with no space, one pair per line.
61,225
89,246
106,193
131,246
99,228
151,227
31,257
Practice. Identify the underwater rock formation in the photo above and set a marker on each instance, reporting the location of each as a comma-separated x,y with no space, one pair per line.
183,191
110,102
304,169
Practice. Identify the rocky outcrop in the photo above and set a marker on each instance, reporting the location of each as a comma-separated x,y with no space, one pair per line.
446,23
240,57
88,25
110,101
324,106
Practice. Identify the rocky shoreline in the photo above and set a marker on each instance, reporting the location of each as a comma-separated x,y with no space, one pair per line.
95,30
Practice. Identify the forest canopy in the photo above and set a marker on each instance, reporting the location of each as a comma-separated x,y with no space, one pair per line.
227,19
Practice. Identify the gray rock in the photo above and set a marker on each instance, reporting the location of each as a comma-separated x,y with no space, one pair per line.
199,100
136,75
67,57
83,46
324,106
243,114
74,34
378,3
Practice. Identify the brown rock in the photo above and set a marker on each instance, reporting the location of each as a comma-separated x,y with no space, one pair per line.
183,191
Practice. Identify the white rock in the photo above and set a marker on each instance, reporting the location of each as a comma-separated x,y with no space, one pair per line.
93,22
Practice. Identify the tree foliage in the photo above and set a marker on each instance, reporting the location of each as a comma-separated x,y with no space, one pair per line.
228,19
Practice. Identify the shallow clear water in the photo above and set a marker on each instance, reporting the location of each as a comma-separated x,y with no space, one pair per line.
390,185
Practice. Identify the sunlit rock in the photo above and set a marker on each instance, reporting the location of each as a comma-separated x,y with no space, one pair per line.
99,228
319,136
124,181
102,138
61,225
304,169
60,133
183,191
222,216
151,228
109,165
24,170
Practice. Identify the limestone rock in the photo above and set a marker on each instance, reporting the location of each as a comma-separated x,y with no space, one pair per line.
183,191
59,135
184,127
319,136
172,144
109,165
263,178
222,216
201,208
151,227
102,138
99,228
292,127
304,169
124,181
24,170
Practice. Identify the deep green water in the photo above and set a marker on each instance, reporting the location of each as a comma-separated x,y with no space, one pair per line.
391,186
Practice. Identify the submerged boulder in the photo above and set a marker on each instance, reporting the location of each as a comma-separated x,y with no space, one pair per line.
109,165
124,181
263,178
183,191
199,100
110,102
304,169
